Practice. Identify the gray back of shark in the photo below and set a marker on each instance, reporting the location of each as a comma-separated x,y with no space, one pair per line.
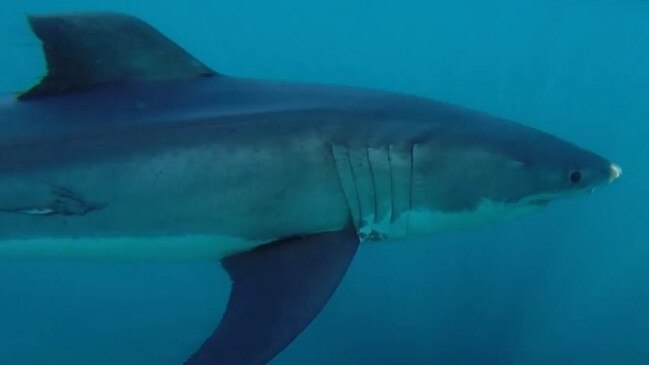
132,149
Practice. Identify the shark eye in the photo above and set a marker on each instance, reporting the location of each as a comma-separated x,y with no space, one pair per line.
575,176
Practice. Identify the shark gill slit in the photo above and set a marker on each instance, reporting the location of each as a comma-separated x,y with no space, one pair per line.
391,184
400,172
376,203
343,169
355,187
410,187
366,190
379,161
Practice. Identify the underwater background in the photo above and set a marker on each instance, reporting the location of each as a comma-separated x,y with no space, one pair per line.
568,285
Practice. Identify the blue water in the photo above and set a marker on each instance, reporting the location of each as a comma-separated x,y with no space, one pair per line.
564,286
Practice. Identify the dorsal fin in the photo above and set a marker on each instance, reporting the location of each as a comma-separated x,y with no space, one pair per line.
87,50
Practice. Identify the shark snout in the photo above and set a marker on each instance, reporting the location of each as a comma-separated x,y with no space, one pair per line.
615,171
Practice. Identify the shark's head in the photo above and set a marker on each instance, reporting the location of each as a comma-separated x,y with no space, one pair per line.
480,169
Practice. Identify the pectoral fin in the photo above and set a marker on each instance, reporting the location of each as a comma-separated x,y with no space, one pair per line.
277,290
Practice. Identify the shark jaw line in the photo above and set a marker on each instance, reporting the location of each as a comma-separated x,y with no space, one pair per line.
424,222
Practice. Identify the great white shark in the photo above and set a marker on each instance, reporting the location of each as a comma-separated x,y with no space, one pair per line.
131,149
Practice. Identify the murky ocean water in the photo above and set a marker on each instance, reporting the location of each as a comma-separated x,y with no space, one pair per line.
567,285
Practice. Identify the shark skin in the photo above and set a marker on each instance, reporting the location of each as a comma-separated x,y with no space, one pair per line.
116,163
228,157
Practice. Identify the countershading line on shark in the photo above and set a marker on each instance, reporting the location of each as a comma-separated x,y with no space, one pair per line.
128,136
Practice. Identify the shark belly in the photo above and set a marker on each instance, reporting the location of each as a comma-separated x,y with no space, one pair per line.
191,203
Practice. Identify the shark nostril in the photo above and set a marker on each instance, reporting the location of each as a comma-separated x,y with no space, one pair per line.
615,171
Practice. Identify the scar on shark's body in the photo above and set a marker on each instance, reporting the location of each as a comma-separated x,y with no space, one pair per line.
64,203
